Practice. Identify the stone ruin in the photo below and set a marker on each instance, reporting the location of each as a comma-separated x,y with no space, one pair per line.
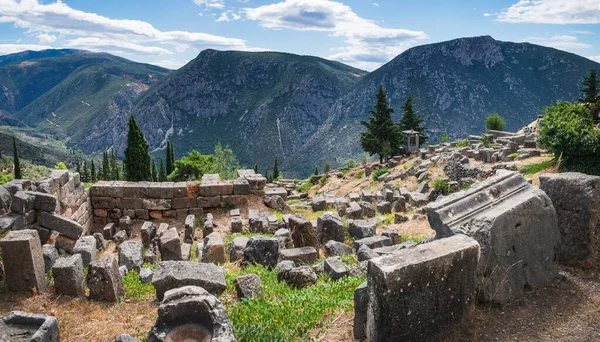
17,326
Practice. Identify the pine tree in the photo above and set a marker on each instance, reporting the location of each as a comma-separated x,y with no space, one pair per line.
137,159
154,172
410,121
85,173
255,167
105,167
16,160
316,170
276,173
93,175
269,178
115,170
162,176
382,137
326,168
591,94
78,169
169,162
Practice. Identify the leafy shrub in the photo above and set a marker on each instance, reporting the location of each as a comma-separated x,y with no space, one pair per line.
568,132
494,122
304,187
463,143
323,180
486,141
359,174
442,186
6,178
378,172
60,166
351,164
444,137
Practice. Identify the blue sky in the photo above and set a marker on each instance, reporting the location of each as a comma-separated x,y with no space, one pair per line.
362,33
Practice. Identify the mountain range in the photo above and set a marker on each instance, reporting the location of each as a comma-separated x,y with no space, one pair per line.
305,110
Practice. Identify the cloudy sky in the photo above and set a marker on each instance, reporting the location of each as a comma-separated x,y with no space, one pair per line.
362,33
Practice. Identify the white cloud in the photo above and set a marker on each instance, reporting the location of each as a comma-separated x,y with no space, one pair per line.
367,43
45,38
169,63
583,32
565,42
218,4
6,49
130,36
595,58
487,14
553,12
228,16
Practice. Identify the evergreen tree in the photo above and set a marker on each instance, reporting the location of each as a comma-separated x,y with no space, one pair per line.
115,169
16,160
93,175
255,167
411,121
105,167
162,176
169,161
316,170
137,159
326,168
268,177
382,137
78,169
154,172
85,172
591,94
276,173
172,157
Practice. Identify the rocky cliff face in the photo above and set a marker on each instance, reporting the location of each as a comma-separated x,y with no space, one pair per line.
454,85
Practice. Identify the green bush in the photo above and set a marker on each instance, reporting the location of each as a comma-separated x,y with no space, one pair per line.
351,164
494,122
359,174
378,172
304,187
60,166
487,141
463,143
442,186
444,137
568,132
323,180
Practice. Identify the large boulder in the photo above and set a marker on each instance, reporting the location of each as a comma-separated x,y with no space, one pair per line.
130,255
576,199
299,277
516,226
360,229
303,233
422,293
104,280
330,227
23,261
173,274
262,250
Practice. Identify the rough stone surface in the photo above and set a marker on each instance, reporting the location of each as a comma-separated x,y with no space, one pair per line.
301,255
373,242
125,338
189,228
50,255
365,253
576,199
104,280
262,250
63,225
258,221
299,277
516,226
423,293
146,275
213,250
23,261
360,229
303,233
68,276
248,286
86,246
169,245
335,268
191,311
361,301
36,327
236,248
22,202
336,248
130,255
173,274
148,231
394,235
330,227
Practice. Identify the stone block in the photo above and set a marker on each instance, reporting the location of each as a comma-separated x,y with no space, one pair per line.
248,286
281,192
180,190
23,261
335,268
236,224
169,245
105,202
578,220
34,327
86,246
42,201
258,221
109,230
214,251
361,302
156,204
64,243
516,226
155,214
183,202
50,255
262,250
142,214
130,255
173,274
146,275
68,276
360,229
131,203
104,280
423,293
209,202
22,202
303,233
236,248
186,251
189,227
63,225
125,224
300,256
60,176
318,203
241,187
354,211
298,277
330,227
336,248
373,242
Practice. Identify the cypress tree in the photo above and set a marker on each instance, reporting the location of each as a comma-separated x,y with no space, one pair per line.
154,172
382,137
269,179
16,160
115,170
411,120
85,176
326,168
169,162
591,94
162,176
137,159
93,177
276,170
78,169
255,168
105,167
316,170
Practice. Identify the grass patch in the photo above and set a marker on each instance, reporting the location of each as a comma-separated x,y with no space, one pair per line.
414,238
135,289
308,213
284,313
294,201
535,168
359,174
279,215
304,187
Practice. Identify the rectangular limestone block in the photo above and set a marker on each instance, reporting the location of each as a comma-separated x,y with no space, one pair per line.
130,189
183,202
276,191
180,189
100,189
209,202
23,261
105,202
131,203
44,202
60,224
157,204
241,187
154,190
422,293
142,214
